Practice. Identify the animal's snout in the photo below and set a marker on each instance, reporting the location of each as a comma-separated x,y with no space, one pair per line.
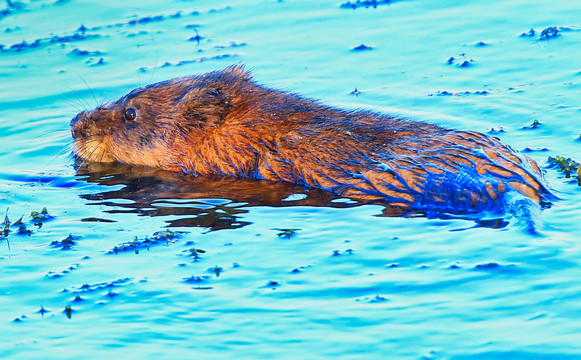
76,129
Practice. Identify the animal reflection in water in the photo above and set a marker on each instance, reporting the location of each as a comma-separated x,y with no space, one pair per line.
211,202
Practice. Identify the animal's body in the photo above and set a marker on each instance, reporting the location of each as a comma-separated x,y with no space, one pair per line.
224,123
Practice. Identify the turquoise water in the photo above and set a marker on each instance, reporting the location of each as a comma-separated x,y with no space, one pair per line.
349,283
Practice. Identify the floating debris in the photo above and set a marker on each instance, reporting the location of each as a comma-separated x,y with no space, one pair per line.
550,32
534,125
196,38
87,288
84,53
362,47
463,63
216,270
286,233
491,265
338,252
22,229
460,93
529,150
364,3
42,311
82,33
161,237
166,234
93,62
68,311
496,131
145,20
66,243
378,299
546,34
39,217
44,42
13,7
111,294
62,273
273,284
199,60
82,29
5,225
231,44
566,166
373,300
531,33
196,279
498,268
195,253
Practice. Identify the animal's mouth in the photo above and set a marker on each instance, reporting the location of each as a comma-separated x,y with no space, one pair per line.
93,149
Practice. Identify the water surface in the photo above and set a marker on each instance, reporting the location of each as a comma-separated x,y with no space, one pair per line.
256,270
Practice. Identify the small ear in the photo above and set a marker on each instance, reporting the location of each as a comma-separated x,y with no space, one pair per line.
205,107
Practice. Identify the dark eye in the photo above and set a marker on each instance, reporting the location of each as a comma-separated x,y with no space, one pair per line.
130,114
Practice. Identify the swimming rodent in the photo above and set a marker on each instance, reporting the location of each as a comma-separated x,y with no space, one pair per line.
223,123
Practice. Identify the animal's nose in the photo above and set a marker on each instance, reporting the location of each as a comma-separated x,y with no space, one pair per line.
75,120
76,130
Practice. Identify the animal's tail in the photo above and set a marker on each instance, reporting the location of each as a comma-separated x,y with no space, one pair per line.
526,211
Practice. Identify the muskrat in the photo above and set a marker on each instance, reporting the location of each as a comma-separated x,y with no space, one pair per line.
223,123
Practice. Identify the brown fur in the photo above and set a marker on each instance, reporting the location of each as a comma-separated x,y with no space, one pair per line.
223,123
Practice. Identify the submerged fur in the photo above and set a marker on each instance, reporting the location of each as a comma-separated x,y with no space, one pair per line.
223,123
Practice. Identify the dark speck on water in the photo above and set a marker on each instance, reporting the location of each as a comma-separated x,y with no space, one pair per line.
488,266
365,4
362,47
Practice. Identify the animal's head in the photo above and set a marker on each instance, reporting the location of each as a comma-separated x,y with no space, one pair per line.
153,125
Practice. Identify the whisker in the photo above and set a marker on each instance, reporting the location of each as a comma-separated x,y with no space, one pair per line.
65,149
48,133
102,153
91,90
86,151
71,104
62,152
97,147
154,68
84,158
137,72
80,98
